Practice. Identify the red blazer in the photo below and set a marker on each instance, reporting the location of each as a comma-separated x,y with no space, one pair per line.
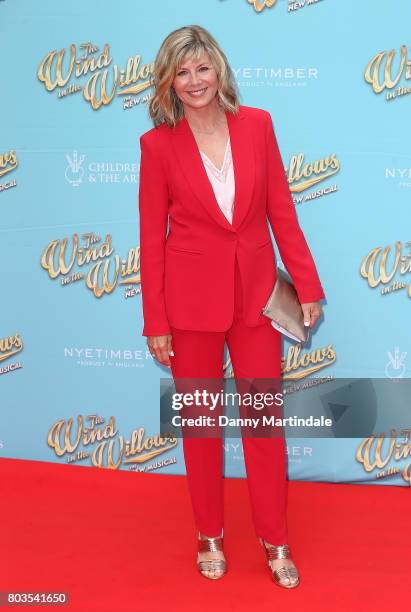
187,276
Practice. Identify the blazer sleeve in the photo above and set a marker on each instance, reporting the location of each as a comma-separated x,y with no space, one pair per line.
153,207
283,219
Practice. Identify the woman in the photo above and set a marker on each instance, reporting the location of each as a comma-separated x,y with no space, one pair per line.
212,168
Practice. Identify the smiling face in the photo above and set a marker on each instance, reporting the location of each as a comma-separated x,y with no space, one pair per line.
196,81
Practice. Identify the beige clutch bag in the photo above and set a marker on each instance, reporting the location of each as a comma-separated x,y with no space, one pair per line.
284,309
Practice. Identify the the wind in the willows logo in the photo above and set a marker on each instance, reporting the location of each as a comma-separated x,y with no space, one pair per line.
376,269
307,174
8,163
10,346
293,5
105,269
259,5
386,456
104,78
93,439
385,70
297,364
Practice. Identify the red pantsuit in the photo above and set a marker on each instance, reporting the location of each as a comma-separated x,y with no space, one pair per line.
205,281
254,352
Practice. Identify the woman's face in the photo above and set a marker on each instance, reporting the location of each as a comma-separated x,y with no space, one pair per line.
196,81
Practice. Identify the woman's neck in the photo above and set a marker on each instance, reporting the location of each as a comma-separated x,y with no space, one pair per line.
206,119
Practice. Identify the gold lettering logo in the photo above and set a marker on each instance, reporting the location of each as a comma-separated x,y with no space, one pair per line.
106,271
105,79
380,74
371,454
10,346
295,366
375,269
259,5
8,162
110,448
304,175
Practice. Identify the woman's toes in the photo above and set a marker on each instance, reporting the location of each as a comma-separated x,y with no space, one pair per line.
211,572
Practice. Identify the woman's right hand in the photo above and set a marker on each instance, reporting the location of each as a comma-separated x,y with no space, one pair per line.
160,347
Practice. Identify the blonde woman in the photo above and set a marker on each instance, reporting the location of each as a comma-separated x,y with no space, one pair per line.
211,168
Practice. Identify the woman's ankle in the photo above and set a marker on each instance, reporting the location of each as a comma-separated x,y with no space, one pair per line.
202,535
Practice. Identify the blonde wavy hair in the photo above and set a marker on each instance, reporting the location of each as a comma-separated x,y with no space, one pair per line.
189,41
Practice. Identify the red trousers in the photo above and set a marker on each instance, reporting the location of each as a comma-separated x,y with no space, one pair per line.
254,352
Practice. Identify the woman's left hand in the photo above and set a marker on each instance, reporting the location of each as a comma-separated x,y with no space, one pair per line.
312,312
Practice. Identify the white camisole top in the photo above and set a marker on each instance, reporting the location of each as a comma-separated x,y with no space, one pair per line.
222,181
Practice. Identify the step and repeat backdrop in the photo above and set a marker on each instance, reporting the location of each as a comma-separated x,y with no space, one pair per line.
77,383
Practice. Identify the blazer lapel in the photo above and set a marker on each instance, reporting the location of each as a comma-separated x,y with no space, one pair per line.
242,149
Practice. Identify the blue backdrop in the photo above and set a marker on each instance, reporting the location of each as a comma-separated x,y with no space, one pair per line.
77,383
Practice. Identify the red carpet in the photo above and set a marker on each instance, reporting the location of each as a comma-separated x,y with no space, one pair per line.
124,541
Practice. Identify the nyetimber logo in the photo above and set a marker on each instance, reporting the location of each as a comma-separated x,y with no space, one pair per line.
107,356
275,76
296,453
401,175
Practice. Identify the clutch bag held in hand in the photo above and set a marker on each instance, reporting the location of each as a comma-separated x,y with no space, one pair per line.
284,309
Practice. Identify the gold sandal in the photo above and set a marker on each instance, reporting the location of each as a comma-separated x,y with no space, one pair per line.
206,544
281,552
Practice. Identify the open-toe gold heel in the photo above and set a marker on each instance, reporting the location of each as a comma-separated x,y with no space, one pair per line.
282,573
206,544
